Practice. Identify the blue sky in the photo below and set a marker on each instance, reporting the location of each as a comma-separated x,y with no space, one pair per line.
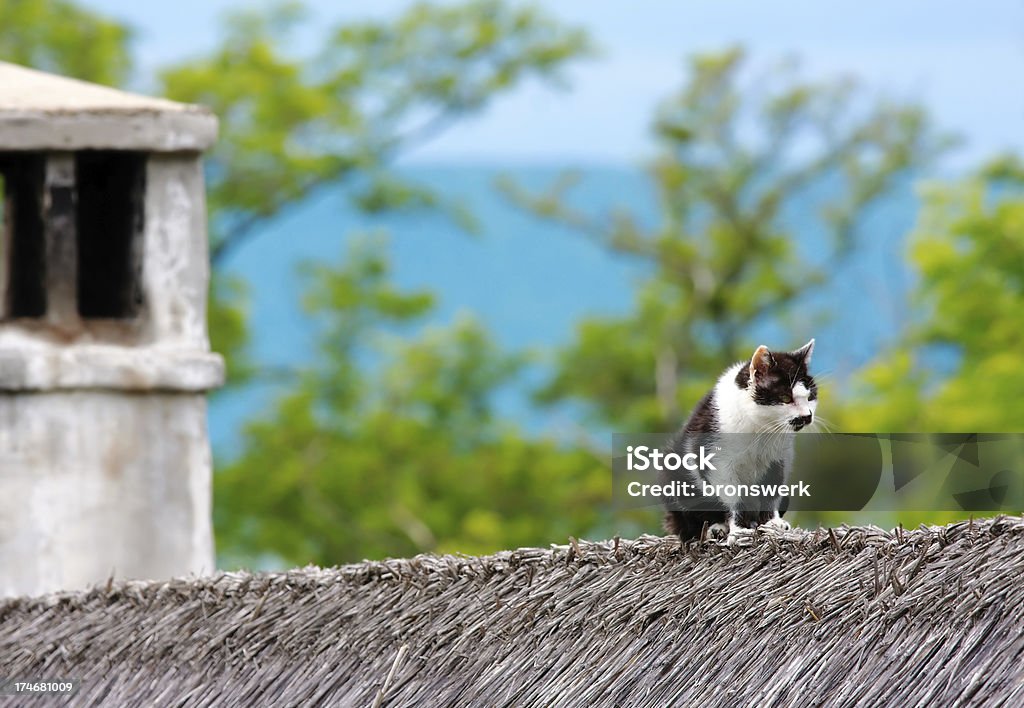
965,60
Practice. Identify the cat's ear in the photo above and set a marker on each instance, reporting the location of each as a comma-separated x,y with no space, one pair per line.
761,362
805,352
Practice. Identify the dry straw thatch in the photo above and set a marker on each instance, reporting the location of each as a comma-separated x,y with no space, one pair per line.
848,616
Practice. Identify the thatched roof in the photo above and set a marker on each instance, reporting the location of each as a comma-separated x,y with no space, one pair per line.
927,617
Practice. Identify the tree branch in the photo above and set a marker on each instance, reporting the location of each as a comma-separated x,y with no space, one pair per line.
386,153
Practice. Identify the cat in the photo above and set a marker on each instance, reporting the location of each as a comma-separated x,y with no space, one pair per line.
749,417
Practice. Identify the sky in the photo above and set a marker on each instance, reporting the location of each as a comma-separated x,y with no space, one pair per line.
964,60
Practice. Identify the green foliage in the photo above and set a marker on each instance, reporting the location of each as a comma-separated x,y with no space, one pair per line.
338,115
386,448
391,446
227,314
737,155
968,253
65,38
968,250
342,112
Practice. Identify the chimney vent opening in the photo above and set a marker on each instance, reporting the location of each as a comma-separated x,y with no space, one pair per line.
22,242
111,193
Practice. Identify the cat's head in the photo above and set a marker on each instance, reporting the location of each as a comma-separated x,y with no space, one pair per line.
781,383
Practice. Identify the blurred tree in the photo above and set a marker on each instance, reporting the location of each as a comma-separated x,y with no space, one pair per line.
374,452
957,368
391,446
954,369
340,115
372,91
65,38
738,155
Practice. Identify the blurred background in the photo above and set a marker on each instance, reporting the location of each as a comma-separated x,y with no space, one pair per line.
456,245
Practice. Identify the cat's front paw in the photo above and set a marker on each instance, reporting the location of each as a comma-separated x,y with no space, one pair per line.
739,536
778,524
718,531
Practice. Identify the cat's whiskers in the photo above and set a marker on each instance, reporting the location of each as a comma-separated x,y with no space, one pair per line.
822,418
824,376
767,431
827,425
771,431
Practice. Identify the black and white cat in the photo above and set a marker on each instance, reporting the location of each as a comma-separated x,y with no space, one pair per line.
749,417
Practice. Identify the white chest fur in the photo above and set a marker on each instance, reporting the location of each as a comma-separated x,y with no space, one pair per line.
750,436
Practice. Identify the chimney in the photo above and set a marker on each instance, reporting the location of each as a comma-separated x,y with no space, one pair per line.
104,355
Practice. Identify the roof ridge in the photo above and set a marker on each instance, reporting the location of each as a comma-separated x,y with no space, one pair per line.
767,544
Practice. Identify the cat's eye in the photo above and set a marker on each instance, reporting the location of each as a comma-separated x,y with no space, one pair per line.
787,398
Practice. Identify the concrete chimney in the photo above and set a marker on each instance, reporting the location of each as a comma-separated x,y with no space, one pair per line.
104,355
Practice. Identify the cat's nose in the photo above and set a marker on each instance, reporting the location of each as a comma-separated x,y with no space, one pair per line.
801,421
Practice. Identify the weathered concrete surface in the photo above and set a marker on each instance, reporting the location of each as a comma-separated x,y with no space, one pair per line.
31,365
40,111
175,260
29,130
102,483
